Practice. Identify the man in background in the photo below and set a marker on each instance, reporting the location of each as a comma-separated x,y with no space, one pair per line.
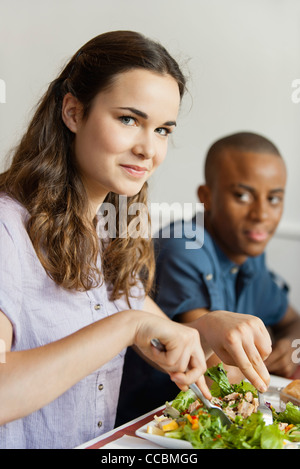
243,197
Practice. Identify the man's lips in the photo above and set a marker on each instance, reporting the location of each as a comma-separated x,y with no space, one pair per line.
257,235
133,170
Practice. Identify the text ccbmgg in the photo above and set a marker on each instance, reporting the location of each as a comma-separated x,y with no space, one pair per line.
170,458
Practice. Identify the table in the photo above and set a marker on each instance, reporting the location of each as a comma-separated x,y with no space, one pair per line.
124,436
128,429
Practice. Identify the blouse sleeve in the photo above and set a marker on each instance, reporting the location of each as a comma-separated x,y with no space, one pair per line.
10,276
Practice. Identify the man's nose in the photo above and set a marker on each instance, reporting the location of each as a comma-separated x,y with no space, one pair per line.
260,210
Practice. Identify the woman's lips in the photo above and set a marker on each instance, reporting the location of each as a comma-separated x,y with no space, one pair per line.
257,235
135,171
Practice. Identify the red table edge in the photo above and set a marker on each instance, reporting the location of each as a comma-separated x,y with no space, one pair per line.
127,429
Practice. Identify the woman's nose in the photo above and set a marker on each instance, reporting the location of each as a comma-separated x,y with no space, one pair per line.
145,147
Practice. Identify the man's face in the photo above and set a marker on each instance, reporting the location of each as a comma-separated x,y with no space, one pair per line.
244,203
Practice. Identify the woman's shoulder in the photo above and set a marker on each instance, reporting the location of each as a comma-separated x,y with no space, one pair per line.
12,212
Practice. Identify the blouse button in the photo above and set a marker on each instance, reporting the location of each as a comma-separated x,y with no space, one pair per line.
97,306
100,387
99,424
209,276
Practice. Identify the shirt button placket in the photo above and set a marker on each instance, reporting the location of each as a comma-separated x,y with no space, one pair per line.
100,388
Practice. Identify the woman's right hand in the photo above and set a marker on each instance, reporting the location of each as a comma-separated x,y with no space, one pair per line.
241,340
183,358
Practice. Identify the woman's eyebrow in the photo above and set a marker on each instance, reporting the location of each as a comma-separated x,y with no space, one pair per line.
144,115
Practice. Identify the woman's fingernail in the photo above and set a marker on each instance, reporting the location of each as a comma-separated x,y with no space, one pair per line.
263,388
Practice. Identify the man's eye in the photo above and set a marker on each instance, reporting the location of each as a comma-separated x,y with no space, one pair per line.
243,196
127,120
275,200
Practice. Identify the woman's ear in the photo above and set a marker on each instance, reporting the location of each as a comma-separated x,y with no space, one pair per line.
204,195
71,112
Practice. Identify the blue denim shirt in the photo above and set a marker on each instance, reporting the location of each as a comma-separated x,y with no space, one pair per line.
42,312
205,278
187,279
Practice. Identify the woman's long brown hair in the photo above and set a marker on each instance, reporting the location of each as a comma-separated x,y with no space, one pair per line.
43,175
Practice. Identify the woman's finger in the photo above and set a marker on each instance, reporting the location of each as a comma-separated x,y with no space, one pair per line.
183,380
251,365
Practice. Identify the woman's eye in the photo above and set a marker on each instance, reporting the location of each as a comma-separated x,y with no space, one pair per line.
127,120
163,131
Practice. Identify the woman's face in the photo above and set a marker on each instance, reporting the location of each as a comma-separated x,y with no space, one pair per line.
125,137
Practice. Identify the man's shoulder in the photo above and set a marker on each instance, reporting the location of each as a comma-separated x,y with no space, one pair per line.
183,234
261,269
182,242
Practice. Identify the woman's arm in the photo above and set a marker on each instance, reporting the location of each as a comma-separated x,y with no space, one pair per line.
240,340
31,379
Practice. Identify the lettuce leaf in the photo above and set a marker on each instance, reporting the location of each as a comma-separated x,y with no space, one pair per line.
221,386
252,433
245,386
183,400
246,433
272,437
208,435
291,414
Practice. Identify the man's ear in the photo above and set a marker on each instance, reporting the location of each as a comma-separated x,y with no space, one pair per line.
204,195
71,112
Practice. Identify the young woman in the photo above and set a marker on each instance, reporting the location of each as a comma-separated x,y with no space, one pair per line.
72,299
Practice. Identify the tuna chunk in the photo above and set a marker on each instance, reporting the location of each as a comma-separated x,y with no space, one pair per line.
230,412
216,401
255,403
194,406
245,408
232,397
249,396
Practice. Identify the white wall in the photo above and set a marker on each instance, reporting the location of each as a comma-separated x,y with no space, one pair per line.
242,57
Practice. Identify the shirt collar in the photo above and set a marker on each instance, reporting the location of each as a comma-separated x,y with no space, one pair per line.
227,266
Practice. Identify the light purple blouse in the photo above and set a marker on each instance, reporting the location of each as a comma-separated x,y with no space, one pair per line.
42,312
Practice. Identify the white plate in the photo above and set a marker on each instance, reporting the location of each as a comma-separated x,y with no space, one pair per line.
163,441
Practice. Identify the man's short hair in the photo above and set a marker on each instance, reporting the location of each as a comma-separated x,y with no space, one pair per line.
242,141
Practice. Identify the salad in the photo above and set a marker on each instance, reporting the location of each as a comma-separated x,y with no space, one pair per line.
186,418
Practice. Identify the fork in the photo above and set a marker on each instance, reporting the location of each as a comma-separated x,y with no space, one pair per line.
264,409
213,409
